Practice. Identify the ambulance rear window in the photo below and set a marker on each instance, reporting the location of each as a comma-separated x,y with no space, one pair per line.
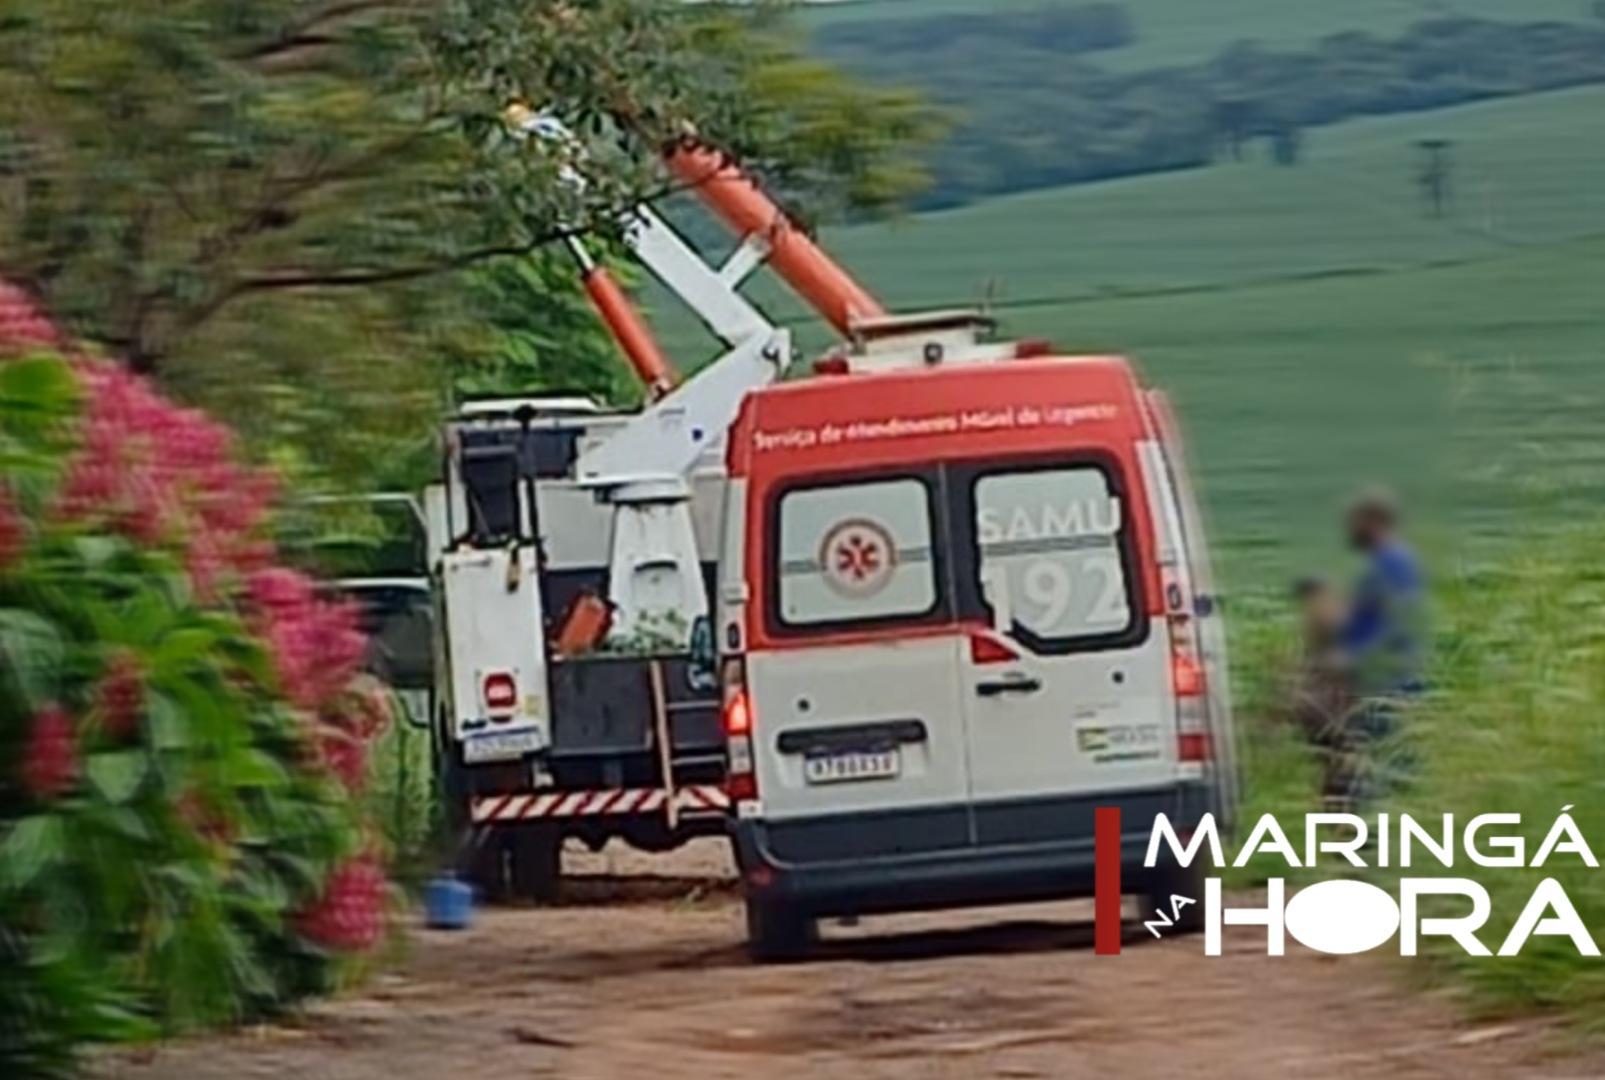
856,552
1049,555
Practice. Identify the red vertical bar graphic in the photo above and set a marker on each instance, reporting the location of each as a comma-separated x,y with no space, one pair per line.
1106,881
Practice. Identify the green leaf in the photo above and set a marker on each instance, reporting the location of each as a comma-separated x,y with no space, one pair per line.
182,648
32,846
117,774
32,650
128,823
97,551
253,768
169,726
139,618
34,392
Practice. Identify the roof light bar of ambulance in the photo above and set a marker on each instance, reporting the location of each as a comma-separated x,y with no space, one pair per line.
741,779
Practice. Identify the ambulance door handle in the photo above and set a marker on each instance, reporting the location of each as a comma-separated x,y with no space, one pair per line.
1015,684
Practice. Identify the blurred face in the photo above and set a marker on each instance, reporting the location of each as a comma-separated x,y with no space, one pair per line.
1366,528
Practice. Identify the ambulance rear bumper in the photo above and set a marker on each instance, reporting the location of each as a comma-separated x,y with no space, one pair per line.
926,859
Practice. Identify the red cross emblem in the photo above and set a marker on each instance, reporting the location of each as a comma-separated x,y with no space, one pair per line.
858,557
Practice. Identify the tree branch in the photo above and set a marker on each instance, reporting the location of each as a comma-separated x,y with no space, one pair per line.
314,30
349,279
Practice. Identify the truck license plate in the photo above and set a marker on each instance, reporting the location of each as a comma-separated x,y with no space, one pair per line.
502,746
853,765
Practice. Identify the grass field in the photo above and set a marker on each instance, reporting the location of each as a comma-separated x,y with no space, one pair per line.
1184,31
1316,330
1529,170
1477,389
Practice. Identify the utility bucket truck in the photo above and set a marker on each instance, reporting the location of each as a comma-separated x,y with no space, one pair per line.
573,555
959,588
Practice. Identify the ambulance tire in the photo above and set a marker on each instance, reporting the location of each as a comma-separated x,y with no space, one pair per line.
1177,880
535,853
777,935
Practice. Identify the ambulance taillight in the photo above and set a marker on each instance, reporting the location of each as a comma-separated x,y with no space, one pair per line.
1187,683
741,782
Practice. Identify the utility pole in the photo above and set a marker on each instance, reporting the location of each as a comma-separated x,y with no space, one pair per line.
1435,177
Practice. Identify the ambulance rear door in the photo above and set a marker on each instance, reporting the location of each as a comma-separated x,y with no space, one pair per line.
1071,699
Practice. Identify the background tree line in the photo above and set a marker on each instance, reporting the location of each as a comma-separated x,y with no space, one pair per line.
1034,110
307,216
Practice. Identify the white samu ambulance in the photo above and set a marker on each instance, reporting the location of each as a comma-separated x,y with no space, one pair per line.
961,606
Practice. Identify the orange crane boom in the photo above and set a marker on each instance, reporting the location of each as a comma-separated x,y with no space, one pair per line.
742,205
625,324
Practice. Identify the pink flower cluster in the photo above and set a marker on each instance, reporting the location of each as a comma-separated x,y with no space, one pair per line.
317,652
162,474
145,467
120,695
316,645
13,533
22,324
50,756
349,916
166,476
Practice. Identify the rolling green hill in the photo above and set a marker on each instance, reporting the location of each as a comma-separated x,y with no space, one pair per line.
1477,389
1316,329
1182,31
1528,170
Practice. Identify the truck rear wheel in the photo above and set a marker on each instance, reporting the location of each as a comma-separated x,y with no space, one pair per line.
535,853
776,934
483,864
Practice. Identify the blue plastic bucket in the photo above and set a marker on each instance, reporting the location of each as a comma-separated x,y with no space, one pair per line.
448,904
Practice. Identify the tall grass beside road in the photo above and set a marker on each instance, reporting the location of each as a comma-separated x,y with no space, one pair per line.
1514,725
1277,770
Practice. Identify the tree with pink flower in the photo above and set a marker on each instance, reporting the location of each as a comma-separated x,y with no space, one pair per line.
182,727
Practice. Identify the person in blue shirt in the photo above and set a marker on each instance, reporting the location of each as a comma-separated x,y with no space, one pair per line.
1382,638
1381,634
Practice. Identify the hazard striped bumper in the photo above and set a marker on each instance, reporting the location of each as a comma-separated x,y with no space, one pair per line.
532,806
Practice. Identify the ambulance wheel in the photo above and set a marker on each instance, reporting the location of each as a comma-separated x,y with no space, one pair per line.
1175,880
535,854
776,934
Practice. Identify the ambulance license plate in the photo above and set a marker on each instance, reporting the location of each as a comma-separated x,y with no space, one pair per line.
852,765
503,746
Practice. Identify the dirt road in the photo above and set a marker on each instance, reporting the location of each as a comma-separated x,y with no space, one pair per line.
644,976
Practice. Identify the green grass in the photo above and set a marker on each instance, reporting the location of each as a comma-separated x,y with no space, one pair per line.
1476,389
1510,725
1314,328
1513,726
1184,31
